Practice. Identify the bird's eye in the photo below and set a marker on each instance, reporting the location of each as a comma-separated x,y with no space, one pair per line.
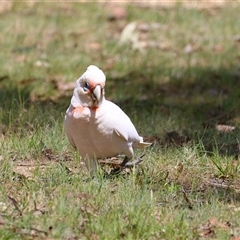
86,87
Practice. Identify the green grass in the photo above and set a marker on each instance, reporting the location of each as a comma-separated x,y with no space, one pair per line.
187,187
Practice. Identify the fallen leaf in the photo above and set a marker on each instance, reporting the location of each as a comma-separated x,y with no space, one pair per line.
129,33
234,238
153,44
224,128
144,44
116,13
94,45
27,81
23,172
216,223
112,162
145,27
188,49
84,196
3,206
82,222
40,63
5,6
37,213
180,168
48,153
218,48
94,236
165,46
21,58
206,230
234,208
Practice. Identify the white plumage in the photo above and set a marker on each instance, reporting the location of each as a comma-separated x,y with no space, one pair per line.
96,127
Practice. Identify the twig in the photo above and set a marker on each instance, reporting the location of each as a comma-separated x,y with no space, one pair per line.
22,230
223,115
39,231
15,204
69,172
190,206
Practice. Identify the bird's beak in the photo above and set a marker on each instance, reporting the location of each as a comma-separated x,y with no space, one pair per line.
97,94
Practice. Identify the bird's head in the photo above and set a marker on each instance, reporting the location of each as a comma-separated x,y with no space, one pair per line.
89,90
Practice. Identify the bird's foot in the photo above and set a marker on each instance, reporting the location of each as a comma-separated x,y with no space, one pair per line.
126,164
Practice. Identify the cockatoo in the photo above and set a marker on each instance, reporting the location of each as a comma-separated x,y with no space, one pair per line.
96,127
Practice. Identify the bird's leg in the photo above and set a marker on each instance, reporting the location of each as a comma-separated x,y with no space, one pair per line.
91,165
124,162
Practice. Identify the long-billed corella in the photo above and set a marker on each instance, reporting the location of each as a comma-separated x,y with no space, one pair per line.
98,128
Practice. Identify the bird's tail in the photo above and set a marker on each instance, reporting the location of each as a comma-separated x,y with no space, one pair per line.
143,144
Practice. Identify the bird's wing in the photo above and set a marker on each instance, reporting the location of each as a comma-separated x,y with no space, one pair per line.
121,135
71,141
124,128
121,123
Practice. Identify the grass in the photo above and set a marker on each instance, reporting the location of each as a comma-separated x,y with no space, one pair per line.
176,91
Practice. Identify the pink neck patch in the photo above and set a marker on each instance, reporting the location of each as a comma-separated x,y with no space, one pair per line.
78,109
81,108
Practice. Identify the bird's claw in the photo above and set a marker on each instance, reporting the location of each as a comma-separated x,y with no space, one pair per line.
126,164
133,163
